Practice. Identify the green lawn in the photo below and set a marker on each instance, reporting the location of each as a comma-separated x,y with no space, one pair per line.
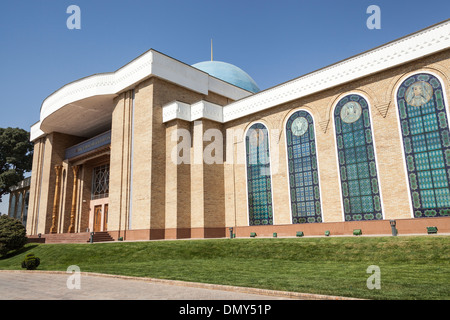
411,267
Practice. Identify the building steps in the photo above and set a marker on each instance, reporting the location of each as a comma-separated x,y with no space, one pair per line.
82,237
102,236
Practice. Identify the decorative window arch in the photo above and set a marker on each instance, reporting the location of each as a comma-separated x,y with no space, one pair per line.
357,163
259,183
426,144
304,188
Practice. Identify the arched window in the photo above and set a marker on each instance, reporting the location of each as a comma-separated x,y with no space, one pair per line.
426,144
357,163
302,166
100,182
259,185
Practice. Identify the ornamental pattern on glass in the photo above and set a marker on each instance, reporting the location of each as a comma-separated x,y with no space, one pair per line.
100,182
302,164
426,144
259,184
356,156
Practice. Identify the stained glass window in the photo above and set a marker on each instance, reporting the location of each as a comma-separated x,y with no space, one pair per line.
302,166
100,182
356,156
426,144
259,184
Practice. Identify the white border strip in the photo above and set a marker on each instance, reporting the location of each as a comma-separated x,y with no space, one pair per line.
183,111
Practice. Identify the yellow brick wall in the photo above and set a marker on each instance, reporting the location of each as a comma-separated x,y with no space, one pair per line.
149,192
120,163
379,89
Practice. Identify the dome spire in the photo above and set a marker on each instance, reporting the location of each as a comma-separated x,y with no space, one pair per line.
211,50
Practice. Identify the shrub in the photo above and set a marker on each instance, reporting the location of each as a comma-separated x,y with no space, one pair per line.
31,262
12,234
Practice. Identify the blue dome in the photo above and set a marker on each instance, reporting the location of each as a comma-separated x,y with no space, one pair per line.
229,73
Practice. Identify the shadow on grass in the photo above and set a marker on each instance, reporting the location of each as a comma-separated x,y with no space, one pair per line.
18,251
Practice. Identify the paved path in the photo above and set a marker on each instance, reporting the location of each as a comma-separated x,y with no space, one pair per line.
53,286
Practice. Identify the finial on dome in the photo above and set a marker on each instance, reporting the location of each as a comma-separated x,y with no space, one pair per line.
211,50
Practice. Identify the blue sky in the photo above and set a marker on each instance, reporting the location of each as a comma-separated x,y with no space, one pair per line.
273,41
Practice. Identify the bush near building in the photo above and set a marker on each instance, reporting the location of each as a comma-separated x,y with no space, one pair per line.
12,235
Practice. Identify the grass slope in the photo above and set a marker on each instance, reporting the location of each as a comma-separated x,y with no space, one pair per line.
411,267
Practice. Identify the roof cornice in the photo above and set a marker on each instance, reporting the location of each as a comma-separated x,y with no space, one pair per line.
153,63
150,64
417,45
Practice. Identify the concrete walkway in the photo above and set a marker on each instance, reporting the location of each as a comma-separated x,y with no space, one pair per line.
49,285
54,286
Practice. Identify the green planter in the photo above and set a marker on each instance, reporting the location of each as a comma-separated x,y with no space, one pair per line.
432,230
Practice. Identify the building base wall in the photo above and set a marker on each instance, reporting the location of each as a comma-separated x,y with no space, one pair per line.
379,227
170,233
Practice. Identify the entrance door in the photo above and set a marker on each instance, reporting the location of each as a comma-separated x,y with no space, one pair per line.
105,218
97,218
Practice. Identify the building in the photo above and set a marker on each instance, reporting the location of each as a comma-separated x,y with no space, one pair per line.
18,200
163,150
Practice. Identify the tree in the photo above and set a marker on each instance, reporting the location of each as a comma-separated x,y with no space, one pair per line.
16,157
12,234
